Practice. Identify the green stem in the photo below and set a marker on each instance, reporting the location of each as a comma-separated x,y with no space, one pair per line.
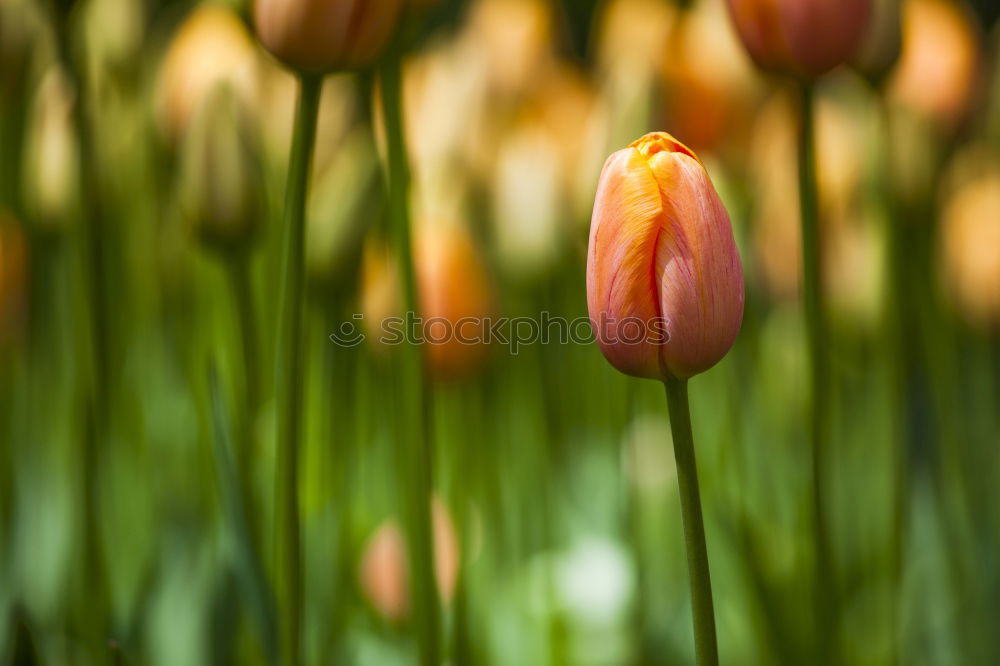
416,456
98,391
816,329
237,265
705,647
898,355
289,374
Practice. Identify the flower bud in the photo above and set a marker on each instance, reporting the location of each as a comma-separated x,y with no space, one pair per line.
939,66
319,36
880,47
664,280
802,37
454,292
383,564
210,47
221,183
51,155
970,229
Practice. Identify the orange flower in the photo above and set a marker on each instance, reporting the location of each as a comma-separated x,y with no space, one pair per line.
383,564
806,37
664,280
320,36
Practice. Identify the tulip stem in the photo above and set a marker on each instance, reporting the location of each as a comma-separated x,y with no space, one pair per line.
705,647
416,457
289,375
812,271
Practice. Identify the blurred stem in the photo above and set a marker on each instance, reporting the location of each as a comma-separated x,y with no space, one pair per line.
98,397
416,457
237,265
706,649
898,346
816,329
289,375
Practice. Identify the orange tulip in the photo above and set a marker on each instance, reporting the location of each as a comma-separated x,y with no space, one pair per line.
383,564
319,36
805,37
664,280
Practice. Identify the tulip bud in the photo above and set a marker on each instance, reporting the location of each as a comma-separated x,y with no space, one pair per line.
664,280
455,299
319,36
938,68
802,37
51,156
383,564
970,237
221,184
211,47
881,44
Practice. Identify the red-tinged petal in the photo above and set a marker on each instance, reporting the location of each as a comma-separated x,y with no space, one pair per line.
823,34
697,267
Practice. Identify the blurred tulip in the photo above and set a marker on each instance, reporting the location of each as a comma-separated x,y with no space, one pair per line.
880,47
115,31
209,48
320,36
383,565
19,31
801,37
339,205
527,201
710,83
515,37
633,33
51,154
662,255
455,297
970,240
221,182
938,68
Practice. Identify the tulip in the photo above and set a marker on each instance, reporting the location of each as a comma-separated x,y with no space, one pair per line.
221,182
970,237
662,258
320,36
880,48
939,66
210,48
383,565
802,37
51,157
455,298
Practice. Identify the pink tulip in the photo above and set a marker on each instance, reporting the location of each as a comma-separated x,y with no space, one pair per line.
808,37
664,280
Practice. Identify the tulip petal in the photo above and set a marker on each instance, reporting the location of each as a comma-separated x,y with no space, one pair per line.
697,267
620,278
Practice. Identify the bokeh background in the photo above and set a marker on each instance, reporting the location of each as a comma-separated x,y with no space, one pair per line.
557,525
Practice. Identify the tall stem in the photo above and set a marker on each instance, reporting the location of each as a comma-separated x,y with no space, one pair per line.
705,647
812,271
98,391
898,345
289,376
413,435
